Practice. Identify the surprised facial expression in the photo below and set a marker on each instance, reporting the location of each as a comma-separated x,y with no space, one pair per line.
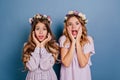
74,25
41,31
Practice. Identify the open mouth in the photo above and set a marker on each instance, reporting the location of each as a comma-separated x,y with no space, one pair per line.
74,32
40,37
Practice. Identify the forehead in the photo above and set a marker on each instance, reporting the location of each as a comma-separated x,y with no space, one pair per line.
39,24
73,19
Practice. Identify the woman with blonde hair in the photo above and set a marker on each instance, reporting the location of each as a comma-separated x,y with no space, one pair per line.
76,48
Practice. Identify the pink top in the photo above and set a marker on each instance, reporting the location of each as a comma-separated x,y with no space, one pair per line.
74,71
40,65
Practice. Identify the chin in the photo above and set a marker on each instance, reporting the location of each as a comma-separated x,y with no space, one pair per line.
40,40
75,36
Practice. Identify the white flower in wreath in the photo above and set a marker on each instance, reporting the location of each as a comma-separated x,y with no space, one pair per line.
86,21
65,18
80,14
70,12
45,16
30,20
83,17
38,16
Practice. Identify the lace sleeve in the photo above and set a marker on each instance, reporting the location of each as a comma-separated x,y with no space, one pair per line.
47,60
33,63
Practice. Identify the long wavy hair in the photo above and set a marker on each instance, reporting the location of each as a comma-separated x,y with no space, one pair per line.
84,35
29,47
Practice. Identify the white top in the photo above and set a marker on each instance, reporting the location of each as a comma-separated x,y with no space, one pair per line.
74,71
40,65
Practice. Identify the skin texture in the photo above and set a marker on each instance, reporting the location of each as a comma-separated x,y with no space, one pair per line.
74,29
40,36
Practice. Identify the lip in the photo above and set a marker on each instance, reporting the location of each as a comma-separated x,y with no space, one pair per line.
41,37
74,32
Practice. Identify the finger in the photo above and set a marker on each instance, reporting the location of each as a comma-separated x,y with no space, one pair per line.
80,30
49,37
79,33
68,29
69,32
33,35
46,40
34,38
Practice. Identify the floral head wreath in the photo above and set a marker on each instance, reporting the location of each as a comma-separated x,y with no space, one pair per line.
81,15
39,16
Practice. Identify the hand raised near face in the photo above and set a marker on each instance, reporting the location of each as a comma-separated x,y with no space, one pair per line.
70,35
35,40
79,34
49,37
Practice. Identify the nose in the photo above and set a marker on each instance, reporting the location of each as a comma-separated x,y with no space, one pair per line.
40,32
73,26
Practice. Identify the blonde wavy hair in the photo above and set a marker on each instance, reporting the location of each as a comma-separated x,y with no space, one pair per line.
84,38
29,47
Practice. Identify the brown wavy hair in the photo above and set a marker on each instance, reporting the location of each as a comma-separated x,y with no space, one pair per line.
84,35
29,46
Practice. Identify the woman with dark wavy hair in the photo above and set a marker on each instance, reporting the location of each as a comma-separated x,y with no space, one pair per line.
41,50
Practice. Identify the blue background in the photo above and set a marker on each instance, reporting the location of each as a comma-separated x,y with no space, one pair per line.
103,24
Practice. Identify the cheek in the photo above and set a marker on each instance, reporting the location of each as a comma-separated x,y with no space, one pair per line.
69,27
36,33
80,27
45,33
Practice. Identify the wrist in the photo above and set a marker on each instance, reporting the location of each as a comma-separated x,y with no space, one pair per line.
77,41
42,45
38,45
78,44
73,42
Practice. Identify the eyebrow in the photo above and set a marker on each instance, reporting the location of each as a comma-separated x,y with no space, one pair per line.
71,22
40,26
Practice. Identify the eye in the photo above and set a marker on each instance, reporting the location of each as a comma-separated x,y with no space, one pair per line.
44,28
37,28
69,24
77,23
